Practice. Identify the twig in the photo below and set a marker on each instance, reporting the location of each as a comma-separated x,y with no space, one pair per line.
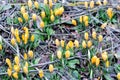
2,28
5,73
8,15
52,34
111,48
10,45
60,75
41,64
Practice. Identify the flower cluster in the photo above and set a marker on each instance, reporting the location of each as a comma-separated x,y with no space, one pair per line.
67,47
15,67
50,15
92,3
104,56
25,36
87,42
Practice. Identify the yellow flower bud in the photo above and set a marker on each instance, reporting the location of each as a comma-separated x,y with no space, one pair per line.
57,42
43,14
22,9
34,17
23,37
105,2
55,1
25,56
16,68
26,39
52,18
30,54
86,4
16,33
25,70
13,42
25,15
27,33
85,18
118,76
92,4
51,68
97,61
89,44
61,10
104,25
26,64
57,12
59,54
16,59
67,47
67,54
84,44
12,30
76,43
86,35
0,47
86,23
29,3
81,19
42,24
62,43
32,38
107,63
100,38
105,53
104,56
74,22
18,39
20,19
15,75
110,13
94,34
25,28
70,44
93,59
9,63
99,3
45,2
9,72
50,3
36,4
41,74
51,12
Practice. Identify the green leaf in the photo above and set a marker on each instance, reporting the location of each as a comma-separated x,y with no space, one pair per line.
108,77
91,74
72,63
57,5
114,20
76,74
9,20
57,20
117,68
47,10
50,31
15,20
37,37
89,56
37,60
